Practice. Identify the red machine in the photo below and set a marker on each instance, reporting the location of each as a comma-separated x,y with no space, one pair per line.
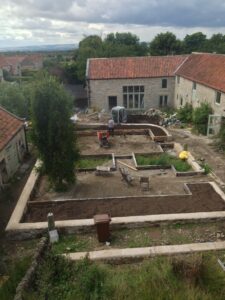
103,137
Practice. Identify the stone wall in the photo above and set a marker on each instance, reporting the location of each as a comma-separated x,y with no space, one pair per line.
100,90
183,90
28,277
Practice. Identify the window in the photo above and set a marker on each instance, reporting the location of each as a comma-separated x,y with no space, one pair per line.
178,79
164,83
163,100
133,96
218,97
194,85
181,101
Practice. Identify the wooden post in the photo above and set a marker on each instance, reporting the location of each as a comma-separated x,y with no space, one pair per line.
51,222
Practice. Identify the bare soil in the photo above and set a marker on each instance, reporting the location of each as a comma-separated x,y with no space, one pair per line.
123,144
203,199
88,185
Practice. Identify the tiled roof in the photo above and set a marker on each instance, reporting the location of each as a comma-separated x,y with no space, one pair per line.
9,126
204,68
7,60
32,58
133,67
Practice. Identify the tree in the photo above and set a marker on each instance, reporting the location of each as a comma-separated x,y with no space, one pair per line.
52,131
165,44
195,42
89,47
16,98
124,44
217,43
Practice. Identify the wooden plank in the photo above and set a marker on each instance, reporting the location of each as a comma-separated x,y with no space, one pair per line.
129,166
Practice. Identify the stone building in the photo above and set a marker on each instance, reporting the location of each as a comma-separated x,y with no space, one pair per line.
201,78
140,83
137,83
13,145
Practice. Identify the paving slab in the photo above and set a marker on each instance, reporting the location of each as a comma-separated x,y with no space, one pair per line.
113,254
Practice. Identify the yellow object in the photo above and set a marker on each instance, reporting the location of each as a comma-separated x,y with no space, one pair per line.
183,155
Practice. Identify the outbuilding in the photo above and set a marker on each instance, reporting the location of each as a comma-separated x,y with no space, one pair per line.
13,145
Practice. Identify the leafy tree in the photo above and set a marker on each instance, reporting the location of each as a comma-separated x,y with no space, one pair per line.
16,98
124,44
200,117
165,44
53,132
89,47
217,43
195,42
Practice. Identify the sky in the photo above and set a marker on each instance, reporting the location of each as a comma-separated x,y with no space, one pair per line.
36,22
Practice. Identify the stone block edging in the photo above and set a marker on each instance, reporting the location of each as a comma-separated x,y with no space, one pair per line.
146,252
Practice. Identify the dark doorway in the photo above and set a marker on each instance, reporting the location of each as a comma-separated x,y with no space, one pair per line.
112,101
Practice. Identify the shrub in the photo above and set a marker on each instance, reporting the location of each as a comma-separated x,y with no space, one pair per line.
184,114
200,117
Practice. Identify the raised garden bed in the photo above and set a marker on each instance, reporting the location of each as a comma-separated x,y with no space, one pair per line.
199,199
161,161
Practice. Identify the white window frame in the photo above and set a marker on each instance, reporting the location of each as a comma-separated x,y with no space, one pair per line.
218,94
133,97
164,102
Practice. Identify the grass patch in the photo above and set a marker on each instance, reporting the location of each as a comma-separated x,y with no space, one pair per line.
163,160
140,237
85,163
158,278
72,243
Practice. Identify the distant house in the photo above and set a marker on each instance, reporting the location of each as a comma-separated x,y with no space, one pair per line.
12,64
32,62
137,83
201,78
16,63
13,145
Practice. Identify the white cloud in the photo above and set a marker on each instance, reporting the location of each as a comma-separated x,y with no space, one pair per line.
67,21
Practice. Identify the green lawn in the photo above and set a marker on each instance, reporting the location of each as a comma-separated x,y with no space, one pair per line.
163,160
